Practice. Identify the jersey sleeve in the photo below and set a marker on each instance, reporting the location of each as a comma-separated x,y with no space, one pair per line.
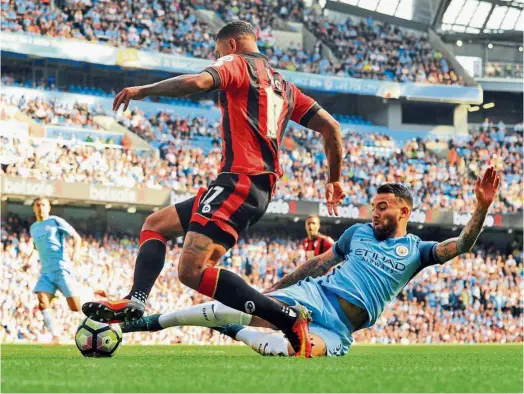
228,72
304,107
328,243
64,227
428,255
342,246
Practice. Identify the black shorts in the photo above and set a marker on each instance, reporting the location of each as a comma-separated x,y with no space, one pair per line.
231,204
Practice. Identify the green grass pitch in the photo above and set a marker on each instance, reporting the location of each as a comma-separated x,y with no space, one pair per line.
475,368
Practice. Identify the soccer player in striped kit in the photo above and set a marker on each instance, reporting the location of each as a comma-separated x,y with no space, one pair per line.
315,243
257,104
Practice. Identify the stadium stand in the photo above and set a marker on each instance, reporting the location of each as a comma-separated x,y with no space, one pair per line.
373,159
474,299
185,168
503,70
365,48
376,50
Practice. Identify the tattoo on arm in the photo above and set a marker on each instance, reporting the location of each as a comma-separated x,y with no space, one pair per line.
315,267
334,152
454,247
324,123
179,86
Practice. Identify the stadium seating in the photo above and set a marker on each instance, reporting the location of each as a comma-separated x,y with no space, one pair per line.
473,299
365,48
441,178
437,183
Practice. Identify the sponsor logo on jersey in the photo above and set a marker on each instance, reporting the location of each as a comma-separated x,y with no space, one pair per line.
223,59
379,260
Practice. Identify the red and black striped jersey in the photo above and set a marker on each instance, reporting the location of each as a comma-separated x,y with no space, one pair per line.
257,104
317,246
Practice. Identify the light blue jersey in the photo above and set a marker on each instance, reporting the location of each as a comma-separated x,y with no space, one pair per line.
374,272
49,239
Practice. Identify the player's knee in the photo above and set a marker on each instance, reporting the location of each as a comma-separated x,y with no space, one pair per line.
190,273
153,223
74,305
43,305
164,222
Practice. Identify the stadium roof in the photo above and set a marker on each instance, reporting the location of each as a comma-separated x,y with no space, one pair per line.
486,16
399,8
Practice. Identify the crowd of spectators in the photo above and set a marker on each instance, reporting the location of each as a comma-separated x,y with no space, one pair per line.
441,175
503,70
475,298
51,112
365,48
163,26
164,125
373,49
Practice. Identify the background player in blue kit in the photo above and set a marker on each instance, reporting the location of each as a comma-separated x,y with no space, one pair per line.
378,260
48,233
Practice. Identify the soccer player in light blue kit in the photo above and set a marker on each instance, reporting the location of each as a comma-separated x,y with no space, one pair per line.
48,233
371,264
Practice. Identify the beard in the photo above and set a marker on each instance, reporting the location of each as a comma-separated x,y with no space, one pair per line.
386,230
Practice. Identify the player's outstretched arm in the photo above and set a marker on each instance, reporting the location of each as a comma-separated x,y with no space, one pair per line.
485,192
317,266
329,128
77,244
182,85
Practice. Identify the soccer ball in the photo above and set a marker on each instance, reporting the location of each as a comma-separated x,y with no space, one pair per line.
95,339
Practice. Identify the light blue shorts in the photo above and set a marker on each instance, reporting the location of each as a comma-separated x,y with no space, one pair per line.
62,280
329,321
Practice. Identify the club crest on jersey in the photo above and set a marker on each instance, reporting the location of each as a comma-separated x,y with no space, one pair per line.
402,251
249,306
48,228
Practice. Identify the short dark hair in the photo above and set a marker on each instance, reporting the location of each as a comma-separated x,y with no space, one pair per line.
400,191
235,29
40,198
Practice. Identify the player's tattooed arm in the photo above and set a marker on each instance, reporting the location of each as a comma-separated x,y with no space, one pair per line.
182,85
454,247
315,267
329,128
485,192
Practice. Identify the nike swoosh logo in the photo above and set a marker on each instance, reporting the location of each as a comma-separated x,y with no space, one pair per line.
213,310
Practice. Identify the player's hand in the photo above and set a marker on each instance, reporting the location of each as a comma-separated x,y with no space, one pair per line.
486,188
334,196
76,257
126,95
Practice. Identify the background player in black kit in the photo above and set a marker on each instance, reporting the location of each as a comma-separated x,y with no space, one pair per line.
256,103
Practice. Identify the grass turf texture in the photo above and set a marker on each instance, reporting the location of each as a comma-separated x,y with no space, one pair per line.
477,368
